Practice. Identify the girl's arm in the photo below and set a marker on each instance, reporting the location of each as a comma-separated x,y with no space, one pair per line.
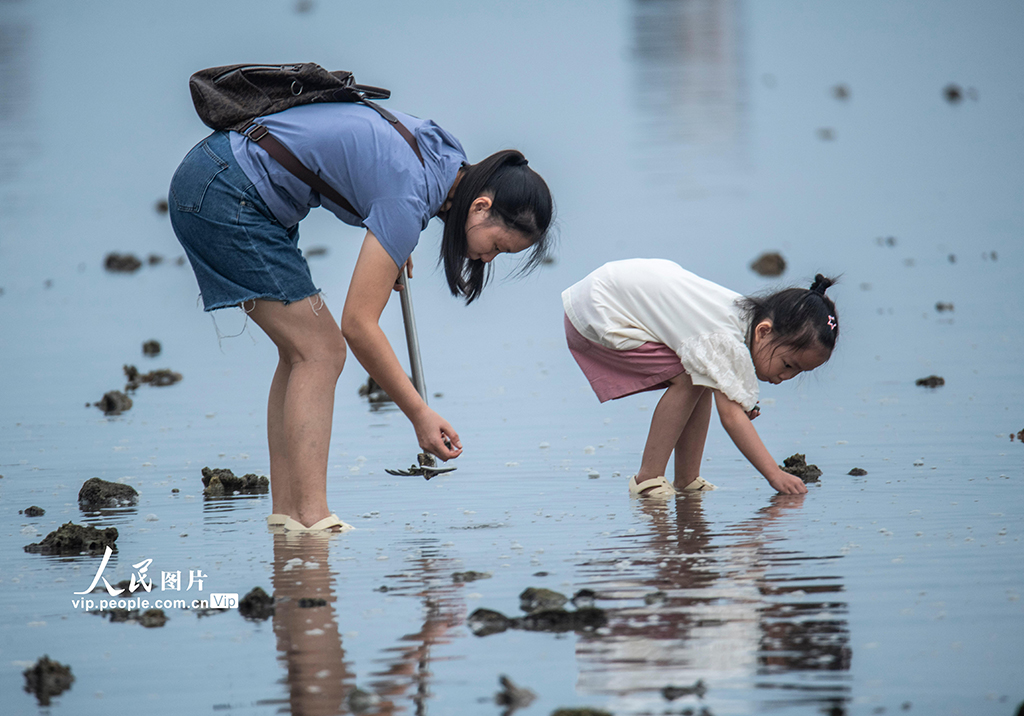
741,430
372,282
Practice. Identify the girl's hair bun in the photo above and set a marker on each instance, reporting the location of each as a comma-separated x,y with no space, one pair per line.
821,284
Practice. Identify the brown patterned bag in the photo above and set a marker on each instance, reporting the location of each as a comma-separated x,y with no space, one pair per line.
232,97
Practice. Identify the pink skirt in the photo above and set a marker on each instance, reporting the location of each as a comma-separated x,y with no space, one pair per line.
616,374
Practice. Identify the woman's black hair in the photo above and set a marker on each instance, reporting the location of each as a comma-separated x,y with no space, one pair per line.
520,200
800,317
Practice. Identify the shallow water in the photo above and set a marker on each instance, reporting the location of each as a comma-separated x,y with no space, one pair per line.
689,130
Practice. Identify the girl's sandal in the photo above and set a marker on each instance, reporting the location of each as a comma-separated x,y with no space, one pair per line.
331,523
654,487
699,485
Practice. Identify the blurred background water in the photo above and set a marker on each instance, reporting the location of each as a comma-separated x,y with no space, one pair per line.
878,141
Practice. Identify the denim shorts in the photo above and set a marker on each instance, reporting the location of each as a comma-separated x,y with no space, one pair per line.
238,250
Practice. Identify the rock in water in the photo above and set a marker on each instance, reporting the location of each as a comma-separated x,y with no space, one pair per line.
797,465
71,539
372,391
560,620
535,599
513,697
655,598
97,493
483,622
47,678
932,381
256,605
114,402
550,620
160,378
121,263
219,482
584,598
469,576
769,263
152,618
360,701
674,692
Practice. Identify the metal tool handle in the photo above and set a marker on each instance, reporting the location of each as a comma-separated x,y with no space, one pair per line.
427,462
411,339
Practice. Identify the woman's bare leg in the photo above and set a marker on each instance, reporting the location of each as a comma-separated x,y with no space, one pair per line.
690,446
280,488
301,405
667,424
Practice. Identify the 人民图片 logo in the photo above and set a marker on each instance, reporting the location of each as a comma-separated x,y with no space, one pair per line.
140,580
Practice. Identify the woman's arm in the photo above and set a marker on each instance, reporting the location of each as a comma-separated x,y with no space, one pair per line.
372,282
741,430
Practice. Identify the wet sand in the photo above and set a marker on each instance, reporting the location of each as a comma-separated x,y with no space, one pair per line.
896,591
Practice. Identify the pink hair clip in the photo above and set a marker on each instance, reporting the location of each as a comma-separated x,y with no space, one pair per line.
832,322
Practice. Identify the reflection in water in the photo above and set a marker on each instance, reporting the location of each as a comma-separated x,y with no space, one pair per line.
318,678
317,675
690,87
737,608
15,93
224,512
406,665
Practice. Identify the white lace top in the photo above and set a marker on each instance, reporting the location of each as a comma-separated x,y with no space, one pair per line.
624,304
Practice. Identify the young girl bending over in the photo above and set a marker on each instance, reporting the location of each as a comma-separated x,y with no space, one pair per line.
647,324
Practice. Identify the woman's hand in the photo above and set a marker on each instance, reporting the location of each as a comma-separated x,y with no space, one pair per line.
436,435
787,484
408,272
754,412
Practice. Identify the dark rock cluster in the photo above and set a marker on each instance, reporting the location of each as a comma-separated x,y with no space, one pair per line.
70,539
97,494
219,482
544,613
47,678
797,465
257,605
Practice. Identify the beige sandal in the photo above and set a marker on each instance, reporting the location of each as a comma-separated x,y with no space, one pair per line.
331,523
699,485
654,487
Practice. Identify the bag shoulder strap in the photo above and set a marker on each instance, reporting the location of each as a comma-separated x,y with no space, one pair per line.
401,128
262,136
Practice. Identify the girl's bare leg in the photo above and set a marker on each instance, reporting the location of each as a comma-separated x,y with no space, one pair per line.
690,446
667,425
300,409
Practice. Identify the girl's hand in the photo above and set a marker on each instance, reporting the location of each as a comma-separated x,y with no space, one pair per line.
787,484
753,413
437,436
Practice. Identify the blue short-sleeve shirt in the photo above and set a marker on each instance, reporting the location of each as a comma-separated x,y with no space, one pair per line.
358,153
